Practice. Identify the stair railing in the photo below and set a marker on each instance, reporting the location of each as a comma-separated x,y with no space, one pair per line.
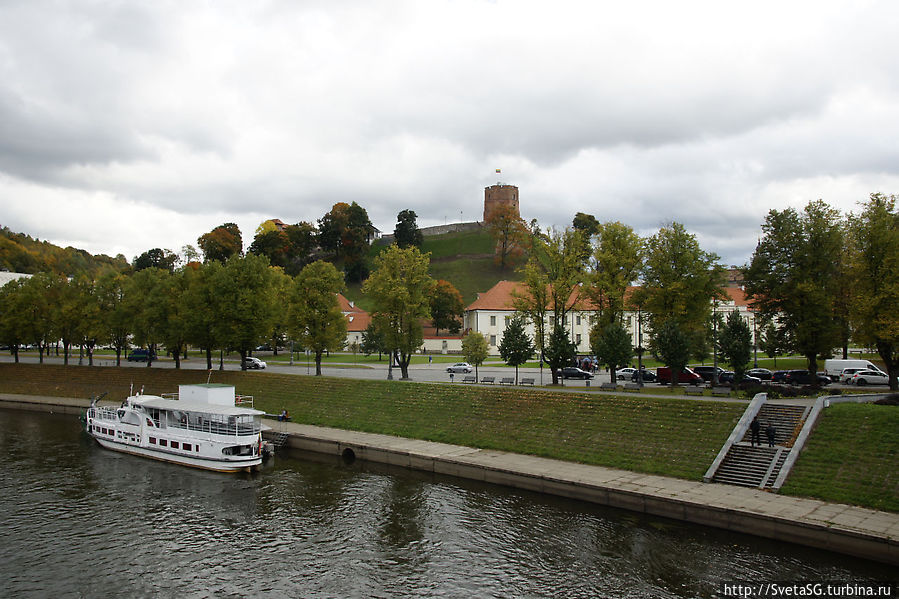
737,434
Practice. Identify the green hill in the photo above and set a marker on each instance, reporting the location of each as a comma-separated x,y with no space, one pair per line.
22,253
465,259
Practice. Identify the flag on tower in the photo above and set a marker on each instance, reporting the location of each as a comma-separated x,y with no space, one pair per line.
497,170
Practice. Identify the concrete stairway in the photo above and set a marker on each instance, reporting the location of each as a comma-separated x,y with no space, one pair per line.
758,467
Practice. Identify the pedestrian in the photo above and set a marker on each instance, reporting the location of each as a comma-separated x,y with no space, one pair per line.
770,432
430,358
756,428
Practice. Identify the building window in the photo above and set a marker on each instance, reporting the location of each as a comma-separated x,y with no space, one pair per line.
505,321
492,340
493,321
578,322
577,339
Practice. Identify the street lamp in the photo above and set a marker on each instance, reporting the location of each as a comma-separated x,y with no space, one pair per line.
639,346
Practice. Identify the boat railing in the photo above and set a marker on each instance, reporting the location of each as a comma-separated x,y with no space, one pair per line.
173,396
102,413
217,428
243,400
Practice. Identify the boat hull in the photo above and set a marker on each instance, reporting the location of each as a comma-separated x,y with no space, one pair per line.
247,464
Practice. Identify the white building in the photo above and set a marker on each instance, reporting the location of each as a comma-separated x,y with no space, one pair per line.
491,312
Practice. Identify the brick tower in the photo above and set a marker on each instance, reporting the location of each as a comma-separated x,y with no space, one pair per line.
500,195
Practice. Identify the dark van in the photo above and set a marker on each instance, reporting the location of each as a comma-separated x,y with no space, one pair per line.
687,376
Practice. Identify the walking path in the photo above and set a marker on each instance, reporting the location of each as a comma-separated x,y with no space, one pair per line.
842,528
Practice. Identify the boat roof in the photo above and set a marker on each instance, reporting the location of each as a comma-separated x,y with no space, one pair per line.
161,403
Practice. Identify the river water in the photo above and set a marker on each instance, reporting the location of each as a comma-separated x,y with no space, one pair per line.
81,521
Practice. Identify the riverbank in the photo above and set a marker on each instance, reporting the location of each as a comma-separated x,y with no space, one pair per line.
841,528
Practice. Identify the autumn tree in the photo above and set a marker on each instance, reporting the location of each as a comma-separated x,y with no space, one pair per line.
400,289
315,319
446,306
345,232
273,244
221,243
875,302
516,347
406,233
793,276
510,232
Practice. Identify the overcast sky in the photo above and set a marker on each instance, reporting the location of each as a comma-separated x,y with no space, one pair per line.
131,125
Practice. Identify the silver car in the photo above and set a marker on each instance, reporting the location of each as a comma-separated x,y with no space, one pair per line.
460,367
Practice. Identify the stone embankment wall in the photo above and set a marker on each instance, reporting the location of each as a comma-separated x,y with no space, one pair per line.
438,230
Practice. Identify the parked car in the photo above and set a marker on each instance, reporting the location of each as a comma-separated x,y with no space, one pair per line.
727,378
622,374
648,376
870,377
460,367
141,355
252,363
708,372
264,347
780,376
804,377
686,376
834,368
760,373
571,372
848,373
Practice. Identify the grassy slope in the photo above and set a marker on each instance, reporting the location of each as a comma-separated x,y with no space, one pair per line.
464,259
852,457
673,437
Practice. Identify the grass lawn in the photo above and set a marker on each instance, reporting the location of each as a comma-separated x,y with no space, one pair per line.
852,457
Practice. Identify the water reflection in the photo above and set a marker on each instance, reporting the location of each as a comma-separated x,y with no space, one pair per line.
84,521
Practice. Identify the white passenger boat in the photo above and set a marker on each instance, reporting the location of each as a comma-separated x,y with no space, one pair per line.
200,426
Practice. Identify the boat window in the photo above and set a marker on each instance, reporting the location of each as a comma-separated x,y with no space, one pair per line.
152,440
163,443
174,445
186,447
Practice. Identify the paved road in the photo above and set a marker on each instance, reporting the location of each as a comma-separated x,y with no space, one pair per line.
423,373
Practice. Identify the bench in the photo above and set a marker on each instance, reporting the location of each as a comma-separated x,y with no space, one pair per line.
507,381
721,391
632,386
526,381
488,379
609,386
693,391
470,379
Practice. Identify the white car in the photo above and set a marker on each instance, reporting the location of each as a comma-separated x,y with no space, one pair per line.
848,373
870,377
460,367
252,363
625,374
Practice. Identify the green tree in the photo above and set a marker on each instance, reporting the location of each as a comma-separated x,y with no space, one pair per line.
612,345
12,319
772,341
735,344
559,352
617,262
40,294
148,299
156,258
221,243
680,280
406,233
67,310
315,318
516,346
114,317
474,349
875,302
245,303
794,276
400,289
446,307
303,240
373,341
586,224
672,347
273,244
203,325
